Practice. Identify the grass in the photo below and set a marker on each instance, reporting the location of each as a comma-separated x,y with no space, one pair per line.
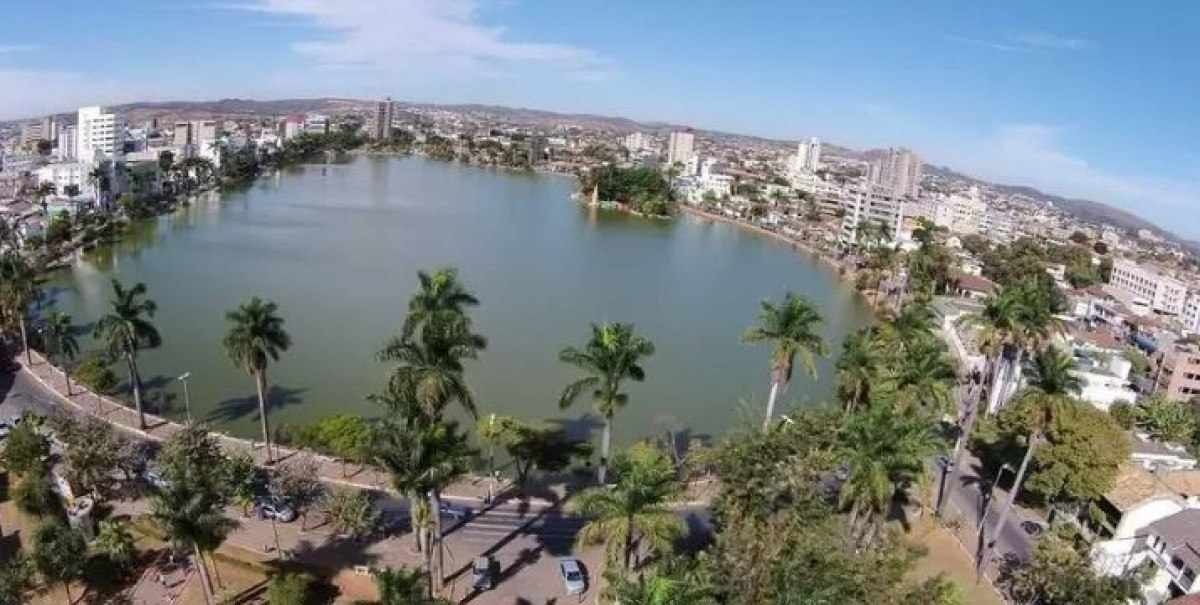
946,556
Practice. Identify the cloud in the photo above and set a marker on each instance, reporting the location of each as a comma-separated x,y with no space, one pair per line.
17,48
431,37
1026,42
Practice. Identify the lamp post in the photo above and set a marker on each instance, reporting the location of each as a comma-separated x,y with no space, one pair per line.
187,400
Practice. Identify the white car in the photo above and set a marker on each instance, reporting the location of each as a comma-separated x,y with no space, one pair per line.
458,513
572,575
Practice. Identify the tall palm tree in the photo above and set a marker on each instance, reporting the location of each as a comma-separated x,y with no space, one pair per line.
430,362
192,520
256,337
1051,385
794,328
19,287
886,450
66,346
926,378
610,357
400,586
1000,329
858,367
127,330
635,511
440,294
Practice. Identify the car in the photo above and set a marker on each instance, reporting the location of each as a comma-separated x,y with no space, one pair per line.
276,509
572,575
1033,528
482,573
154,477
5,429
458,513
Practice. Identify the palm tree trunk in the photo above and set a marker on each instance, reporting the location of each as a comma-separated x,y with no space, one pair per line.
135,383
212,561
427,553
605,448
67,376
205,582
960,449
435,503
771,405
998,373
413,500
275,530
260,382
25,340
67,588
628,542
990,545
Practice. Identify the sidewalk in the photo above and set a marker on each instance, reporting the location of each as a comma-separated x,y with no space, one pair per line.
83,401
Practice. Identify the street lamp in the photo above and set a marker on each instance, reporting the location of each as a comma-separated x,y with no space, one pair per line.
187,400
992,492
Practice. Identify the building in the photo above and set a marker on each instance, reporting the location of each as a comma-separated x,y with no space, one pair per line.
182,134
872,205
62,174
316,123
1159,292
1191,313
636,142
1178,372
680,148
807,158
291,127
898,171
65,151
99,135
385,114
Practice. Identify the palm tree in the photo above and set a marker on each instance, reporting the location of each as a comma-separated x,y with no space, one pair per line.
440,294
19,287
400,586
886,450
926,378
793,327
1051,385
610,357
430,363
44,191
191,519
256,338
635,511
857,367
58,328
127,330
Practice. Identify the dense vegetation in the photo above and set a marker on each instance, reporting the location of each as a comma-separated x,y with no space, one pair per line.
644,190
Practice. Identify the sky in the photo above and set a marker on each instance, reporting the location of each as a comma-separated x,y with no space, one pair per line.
1084,99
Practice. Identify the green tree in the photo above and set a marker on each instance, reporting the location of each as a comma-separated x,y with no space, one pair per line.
289,588
858,367
400,586
347,436
91,454
127,330
494,431
256,338
16,577
1059,575
1165,420
34,494
440,297
25,449
19,287
60,553
115,543
351,512
66,346
635,510
611,356
925,378
793,327
547,449
675,582
1124,414
94,373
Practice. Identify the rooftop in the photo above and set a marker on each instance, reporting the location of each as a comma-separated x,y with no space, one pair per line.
1182,534
1135,486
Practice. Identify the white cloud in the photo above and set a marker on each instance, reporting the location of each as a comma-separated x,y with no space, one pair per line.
1000,46
1045,40
430,37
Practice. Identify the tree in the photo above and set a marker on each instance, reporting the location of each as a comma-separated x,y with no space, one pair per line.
66,346
793,328
611,356
347,436
34,494
1165,420
400,586
675,582
636,510
1060,575
115,543
60,553
494,431
886,451
95,374
299,484
19,287
925,378
127,330
256,337
244,480
91,453
857,367
1124,414
289,588
25,449
16,577
440,297
547,449
351,512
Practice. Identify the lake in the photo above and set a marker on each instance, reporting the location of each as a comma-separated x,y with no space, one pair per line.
338,247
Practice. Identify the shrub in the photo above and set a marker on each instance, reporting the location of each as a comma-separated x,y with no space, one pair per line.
289,588
35,494
1123,413
95,374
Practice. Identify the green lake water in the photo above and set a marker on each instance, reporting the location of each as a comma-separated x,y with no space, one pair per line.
338,247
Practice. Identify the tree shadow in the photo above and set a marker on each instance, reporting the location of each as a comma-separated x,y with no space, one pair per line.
582,428
157,394
237,408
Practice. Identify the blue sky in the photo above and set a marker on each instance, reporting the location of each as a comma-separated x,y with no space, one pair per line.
1079,98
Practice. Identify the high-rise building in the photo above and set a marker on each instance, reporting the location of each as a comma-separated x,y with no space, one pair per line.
99,136
873,208
1156,291
808,155
898,171
66,143
385,114
679,147
182,134
1178,372
636,141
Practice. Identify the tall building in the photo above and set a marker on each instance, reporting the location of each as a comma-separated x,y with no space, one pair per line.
871,206
636,141
899,171
99,136
1156,291
66,143
808,155
182,134
385,113
679,148
1178,372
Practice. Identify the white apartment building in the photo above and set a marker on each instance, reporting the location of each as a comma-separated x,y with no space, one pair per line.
67,144
316,123
636,142
807,158
1159,292
99,136
385,114
898,171
680,148
871,205
1191,313
62,175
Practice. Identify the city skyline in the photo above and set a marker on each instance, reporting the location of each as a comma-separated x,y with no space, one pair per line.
1022,96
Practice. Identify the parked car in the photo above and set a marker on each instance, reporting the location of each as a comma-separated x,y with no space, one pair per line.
154,477
273,508
1033,528
482,573
572,575
458,513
